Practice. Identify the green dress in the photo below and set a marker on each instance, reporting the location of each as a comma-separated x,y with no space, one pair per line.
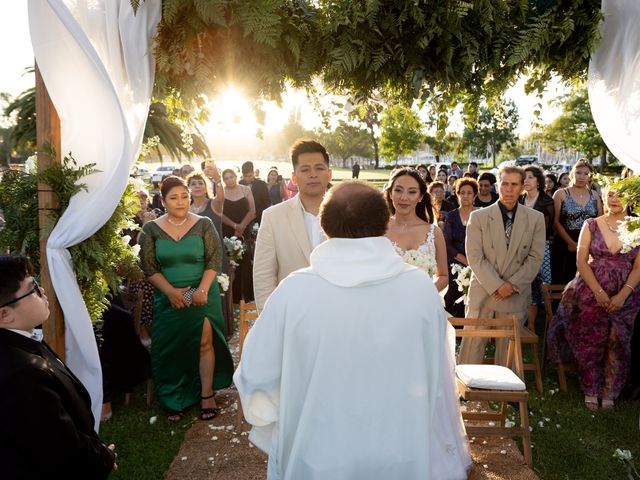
176,333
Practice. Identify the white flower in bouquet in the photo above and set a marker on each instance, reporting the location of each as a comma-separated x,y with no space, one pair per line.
255,228
223,281
423,261
463,279
235,249
125,239
136,250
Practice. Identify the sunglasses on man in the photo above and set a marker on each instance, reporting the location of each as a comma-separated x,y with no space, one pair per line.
36,289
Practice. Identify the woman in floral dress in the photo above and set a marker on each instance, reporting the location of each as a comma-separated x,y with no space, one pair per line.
412,229
594,322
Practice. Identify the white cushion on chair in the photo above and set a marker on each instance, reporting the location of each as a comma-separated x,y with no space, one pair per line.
490,377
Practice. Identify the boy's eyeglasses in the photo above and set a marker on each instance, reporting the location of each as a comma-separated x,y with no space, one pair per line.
36,289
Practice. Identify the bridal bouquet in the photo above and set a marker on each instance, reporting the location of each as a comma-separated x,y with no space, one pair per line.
235,249
223,281
463,279
423,261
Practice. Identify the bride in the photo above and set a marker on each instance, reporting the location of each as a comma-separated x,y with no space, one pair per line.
421,243
412,230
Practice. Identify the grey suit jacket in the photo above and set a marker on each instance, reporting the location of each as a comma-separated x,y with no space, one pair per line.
282,247
492,263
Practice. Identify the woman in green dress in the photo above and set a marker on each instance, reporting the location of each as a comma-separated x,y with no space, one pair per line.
180,255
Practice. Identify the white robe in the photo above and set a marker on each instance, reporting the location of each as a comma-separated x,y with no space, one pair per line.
341,374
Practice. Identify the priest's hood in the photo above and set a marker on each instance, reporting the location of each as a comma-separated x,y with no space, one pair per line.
355,262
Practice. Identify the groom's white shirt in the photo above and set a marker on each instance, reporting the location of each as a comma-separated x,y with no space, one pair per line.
340,374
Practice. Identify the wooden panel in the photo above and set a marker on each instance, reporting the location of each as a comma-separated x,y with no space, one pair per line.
48,133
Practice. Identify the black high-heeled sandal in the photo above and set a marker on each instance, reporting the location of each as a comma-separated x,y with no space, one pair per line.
208,413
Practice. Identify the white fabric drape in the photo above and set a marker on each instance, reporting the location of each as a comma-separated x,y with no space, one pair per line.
95,59
614,81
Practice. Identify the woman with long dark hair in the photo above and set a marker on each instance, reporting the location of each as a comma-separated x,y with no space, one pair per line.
412,228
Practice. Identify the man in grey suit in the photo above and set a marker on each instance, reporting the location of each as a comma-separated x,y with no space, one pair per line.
290,230
505,246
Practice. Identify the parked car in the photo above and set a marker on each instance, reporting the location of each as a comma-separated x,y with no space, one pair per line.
162,172
524,160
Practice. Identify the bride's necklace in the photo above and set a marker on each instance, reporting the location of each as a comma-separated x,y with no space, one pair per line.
177,224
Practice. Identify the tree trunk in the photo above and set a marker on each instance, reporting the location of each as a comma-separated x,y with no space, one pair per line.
493,151
374,142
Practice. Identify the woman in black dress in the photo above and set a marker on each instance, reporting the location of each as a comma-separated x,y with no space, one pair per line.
205,204
455,232
238,214
535,197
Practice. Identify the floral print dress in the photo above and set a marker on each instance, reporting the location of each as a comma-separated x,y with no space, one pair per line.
583,332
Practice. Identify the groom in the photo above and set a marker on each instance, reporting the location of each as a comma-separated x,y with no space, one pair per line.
340,374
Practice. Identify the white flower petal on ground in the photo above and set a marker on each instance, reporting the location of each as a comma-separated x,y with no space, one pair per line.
153,420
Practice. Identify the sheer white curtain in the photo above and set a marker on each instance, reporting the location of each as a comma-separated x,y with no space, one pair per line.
614,80
95,58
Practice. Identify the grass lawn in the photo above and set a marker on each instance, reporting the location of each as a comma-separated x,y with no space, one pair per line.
144,450
574,443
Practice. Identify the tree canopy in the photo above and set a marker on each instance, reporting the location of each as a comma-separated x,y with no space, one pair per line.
401,132
574,127
495,128
440,51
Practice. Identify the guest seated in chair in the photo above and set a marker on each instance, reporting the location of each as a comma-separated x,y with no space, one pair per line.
593,325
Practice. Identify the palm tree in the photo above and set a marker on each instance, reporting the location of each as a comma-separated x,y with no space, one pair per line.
22,135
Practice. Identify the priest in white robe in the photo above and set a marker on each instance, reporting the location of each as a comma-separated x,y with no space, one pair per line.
342,374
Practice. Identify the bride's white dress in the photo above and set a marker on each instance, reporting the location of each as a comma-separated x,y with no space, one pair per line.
450,451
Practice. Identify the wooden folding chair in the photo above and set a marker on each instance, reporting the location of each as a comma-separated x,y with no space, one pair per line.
486,383
529,337
248,315
549,294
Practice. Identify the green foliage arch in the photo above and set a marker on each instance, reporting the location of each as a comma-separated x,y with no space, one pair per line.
440,51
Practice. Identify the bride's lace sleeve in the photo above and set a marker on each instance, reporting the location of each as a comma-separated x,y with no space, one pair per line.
212,246
147,241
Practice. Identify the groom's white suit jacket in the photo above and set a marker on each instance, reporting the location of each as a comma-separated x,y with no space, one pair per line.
282,247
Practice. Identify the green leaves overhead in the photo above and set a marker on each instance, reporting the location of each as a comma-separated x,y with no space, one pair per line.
441,51
204,46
